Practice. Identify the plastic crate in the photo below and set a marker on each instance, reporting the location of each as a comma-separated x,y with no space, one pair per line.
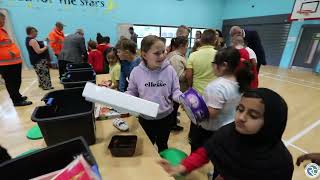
78,78
123,146
46,160
78,67
66,115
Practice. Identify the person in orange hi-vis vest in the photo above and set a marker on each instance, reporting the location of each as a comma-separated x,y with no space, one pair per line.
11,66
56,38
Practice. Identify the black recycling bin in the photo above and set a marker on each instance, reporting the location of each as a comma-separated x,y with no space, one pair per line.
78,67
66,115
46,160
78,78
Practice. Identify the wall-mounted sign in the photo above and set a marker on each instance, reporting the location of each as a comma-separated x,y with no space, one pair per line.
83,3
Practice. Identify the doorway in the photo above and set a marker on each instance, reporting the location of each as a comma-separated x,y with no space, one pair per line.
307,54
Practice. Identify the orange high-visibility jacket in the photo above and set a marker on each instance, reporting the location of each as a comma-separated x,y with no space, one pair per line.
9,52
56,39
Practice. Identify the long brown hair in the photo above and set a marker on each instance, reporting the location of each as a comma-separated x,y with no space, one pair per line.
146,44
231,56
178,42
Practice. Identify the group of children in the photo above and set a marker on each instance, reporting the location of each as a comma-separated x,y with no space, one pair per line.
97,54
242,137
243,134
161,75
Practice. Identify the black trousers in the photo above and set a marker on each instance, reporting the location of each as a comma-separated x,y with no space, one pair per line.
198,136
175,113
158,131
62,66
12,77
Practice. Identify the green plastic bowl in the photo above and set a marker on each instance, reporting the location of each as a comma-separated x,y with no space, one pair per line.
173,155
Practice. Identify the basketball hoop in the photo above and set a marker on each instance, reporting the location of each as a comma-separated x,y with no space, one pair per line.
304,12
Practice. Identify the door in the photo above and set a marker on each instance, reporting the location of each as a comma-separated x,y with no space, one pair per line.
308,50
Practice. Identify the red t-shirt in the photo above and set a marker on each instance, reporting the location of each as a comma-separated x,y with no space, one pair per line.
95,58
244,56
103,47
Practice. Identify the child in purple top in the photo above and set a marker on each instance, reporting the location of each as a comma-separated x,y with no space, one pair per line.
155,80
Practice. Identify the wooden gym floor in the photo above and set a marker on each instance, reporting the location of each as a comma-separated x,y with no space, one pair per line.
300,89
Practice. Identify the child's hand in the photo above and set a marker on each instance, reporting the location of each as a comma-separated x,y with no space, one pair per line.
105,83
314,157
172,170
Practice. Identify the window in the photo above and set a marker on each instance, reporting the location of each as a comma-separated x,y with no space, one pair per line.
143,31
167,32
193,35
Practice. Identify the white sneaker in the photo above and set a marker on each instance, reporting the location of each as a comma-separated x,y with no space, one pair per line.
120,124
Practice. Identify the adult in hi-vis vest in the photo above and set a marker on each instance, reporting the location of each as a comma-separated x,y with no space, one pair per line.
56,38
10,66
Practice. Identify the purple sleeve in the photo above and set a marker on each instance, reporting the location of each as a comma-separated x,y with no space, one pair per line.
176,93
132,87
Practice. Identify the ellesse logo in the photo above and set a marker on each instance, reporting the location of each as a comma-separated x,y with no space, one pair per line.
155,84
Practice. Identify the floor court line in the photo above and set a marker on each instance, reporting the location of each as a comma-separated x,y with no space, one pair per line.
294,146
291,82
298,148
29,86
303,132
302,80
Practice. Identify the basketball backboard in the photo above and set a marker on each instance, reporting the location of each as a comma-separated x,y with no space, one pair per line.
305,10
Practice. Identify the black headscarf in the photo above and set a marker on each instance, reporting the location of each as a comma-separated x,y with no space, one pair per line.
261,156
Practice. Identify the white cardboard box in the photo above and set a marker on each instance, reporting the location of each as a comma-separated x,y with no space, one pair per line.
122,102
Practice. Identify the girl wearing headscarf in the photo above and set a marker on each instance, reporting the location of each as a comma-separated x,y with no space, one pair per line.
250,147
